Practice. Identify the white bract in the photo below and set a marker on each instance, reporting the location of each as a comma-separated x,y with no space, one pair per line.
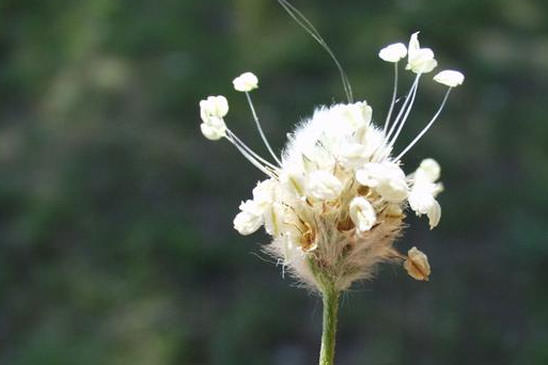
334,200
246,82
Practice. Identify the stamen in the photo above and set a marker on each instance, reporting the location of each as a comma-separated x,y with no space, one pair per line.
425,128
387,121
266,170
403,107
260,128
311,30
393,140
238,141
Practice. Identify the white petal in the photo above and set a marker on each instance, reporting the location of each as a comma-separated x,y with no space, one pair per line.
362,214
430,169
386,178
434,214
323,185
264,192
420,201
250,219
449,78
394,191
246,82
393,52
273,219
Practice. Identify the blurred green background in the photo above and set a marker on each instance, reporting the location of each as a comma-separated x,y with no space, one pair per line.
116,239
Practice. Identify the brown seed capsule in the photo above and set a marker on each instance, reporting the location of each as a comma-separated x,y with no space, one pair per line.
417,265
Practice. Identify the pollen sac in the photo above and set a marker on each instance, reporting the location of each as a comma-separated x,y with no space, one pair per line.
393,52
246,82
417,265
450,78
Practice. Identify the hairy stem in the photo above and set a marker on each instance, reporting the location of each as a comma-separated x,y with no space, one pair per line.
330,299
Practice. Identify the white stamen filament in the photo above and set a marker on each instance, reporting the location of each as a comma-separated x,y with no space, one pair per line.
265,169
260,128
394,93
406,115
418,137
250,151
403,107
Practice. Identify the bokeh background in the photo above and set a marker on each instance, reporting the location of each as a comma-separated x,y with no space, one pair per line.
116,239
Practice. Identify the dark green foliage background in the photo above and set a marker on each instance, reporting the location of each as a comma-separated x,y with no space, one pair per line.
116,239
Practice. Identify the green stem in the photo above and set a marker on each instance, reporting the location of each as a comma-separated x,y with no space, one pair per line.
330,299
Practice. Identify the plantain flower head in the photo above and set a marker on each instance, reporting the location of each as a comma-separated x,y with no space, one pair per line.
335,199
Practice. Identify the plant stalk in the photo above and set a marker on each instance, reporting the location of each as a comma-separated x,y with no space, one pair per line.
330,298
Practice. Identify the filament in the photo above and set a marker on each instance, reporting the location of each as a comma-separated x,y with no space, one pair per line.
265,169
238,141
404,119
425,129
403,107
265,140
387,121
311,30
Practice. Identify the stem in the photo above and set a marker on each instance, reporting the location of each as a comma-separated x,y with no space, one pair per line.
330,298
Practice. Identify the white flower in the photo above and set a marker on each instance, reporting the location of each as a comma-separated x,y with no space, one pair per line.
250,218
450,78
393,52
420,60
362,214
323,185
422,202
213,107
246,82
214,128
425,189
335,200
386,178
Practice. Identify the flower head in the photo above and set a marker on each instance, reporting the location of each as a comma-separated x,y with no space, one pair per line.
334,201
